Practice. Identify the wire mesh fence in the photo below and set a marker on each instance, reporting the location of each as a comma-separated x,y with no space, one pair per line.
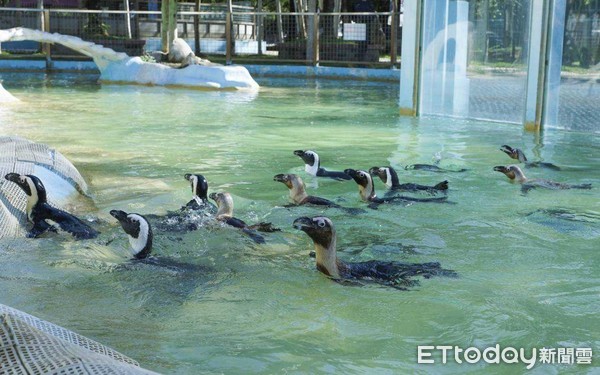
309,38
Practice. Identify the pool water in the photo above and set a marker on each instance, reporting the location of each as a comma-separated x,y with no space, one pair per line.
528,265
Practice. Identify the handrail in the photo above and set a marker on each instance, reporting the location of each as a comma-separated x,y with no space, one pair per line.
193,13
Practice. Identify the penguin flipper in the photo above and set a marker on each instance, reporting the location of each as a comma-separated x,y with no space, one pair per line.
405,199
264,227
319,201
254,235
235,222
38,229
582,186
322,172
352,211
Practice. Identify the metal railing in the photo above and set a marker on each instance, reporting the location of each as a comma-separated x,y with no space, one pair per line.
309,38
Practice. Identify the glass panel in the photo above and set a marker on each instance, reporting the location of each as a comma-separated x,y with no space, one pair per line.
474,59
573,91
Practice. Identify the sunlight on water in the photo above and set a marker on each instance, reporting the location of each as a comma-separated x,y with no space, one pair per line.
528,265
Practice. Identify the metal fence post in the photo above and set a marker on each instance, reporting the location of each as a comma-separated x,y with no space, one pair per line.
394,37
46,46
127,18
315,39
228,44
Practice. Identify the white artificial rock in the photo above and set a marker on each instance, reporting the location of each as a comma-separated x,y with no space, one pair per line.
179,50
5,96
119,67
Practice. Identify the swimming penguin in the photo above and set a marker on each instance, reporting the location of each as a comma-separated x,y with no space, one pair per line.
395,274
517,154
200,194
389,177
138,231
225,214
433,168
299,196
191,216
366,190
45,217
514,173
312,166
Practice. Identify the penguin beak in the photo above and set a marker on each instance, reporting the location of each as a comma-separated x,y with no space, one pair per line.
187,176
354,174
507,150
374,171
279,178
299,153
501,169
119,215
350,172
16,178
303,223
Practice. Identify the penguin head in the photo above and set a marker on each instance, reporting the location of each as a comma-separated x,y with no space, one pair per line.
382,172
290,180
138,231
364,181
309,157
30,184
224,203
513,153
319,228
362,178
199,185
512,172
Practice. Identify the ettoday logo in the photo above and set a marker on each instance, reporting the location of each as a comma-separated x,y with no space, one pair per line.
496,354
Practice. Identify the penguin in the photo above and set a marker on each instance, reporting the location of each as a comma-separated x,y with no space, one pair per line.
45,217
394,274
191,216
312,166
225,214
514,173
389,177
518,154
432,168
298,193
199,199
138,230
139,233
366,191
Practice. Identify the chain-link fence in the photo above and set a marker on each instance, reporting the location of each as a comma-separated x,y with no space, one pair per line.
371,39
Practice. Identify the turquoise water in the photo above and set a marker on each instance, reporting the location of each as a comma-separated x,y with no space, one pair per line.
528,265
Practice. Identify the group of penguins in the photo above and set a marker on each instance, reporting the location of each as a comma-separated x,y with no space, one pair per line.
320,229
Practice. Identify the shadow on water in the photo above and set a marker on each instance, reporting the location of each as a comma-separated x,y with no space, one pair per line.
579,224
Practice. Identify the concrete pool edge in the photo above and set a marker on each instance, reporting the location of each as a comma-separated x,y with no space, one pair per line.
296,71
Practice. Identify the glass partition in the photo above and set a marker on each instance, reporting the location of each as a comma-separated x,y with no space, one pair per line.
474,59
573,84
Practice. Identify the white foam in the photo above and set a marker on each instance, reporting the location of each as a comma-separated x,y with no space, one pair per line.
119,67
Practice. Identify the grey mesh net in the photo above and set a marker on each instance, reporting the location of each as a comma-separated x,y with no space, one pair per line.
25,157
29,345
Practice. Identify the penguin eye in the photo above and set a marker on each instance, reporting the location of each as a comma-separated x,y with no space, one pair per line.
321,223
